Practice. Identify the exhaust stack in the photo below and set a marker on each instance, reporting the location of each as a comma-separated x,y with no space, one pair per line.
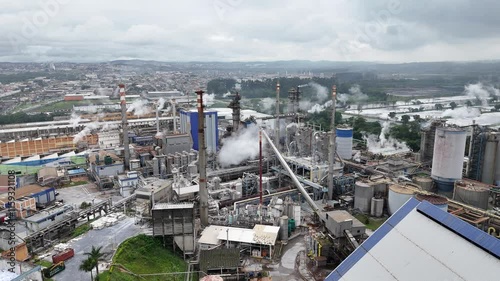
332,148
277,125
202,160
123,104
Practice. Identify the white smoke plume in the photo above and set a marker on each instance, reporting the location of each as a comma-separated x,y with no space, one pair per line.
382,144
320,107
320,92
75,119
355,95
161,103
139,107
109,126
208,99
481,92
238,148
267,103
86,131
305,105
462,112
226,94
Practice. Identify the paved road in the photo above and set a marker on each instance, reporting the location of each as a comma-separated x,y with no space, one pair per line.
108,238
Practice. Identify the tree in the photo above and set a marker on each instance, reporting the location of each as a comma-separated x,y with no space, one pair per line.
392,114
87,265
438,106
416,117
405,119
96,256
453,105
468,103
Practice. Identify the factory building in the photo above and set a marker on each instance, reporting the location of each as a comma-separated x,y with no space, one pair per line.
443,245
47,217
189,124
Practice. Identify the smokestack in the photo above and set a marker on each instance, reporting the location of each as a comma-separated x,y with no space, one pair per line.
158,119
260,165
277,125
331,152
202,160
123,104
174,113
236,107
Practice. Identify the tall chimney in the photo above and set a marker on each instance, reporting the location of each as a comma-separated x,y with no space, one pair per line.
331,154
277,125
123,104
174,113
202,160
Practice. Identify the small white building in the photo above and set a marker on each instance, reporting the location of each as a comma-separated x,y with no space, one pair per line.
128,183
109,139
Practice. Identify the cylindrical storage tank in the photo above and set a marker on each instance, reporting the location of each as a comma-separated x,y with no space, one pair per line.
377,207
192,170
344,142
490,152
398,195
448,158
297,214
497,162
284,228
438,201
424,182
476,195
363,193
156,167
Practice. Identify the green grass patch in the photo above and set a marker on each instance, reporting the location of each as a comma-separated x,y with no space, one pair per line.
146,255
371,223
44,263
60,105
117,275
75,183
81,230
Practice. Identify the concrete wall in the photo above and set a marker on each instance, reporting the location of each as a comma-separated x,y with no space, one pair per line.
109,170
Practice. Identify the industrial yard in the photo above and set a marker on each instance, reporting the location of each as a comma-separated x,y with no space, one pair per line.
234,193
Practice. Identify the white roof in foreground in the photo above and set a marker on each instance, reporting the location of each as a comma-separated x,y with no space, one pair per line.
260,234
422,242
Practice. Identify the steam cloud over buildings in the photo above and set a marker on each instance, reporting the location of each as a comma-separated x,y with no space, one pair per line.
241,147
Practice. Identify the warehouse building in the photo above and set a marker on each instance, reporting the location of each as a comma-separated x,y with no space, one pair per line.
422,242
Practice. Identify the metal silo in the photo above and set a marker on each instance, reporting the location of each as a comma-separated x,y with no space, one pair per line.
447,162
344,142
497,166
424,182
472,193
284,228
398,195
489,161
377,208
363,193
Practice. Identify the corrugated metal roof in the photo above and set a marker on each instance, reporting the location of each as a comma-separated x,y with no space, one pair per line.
422,242
169,206
219,259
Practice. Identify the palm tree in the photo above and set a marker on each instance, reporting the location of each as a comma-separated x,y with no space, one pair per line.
96,256
87,265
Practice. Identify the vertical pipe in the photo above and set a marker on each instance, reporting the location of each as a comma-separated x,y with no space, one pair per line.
260,165
277,125
202,160
331,155
174,114
157,119
123,104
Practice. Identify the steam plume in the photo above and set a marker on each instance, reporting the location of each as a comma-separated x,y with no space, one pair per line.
139,107
239,148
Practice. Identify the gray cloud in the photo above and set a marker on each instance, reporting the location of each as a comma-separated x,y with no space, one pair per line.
250,30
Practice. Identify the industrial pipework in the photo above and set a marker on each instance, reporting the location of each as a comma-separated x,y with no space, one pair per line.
311,203
331,154
202,158
123,104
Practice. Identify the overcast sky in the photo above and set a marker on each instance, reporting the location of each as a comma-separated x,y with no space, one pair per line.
249,30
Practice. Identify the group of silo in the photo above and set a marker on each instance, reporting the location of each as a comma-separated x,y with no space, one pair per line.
369,196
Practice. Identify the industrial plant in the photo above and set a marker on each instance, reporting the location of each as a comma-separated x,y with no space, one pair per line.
229,188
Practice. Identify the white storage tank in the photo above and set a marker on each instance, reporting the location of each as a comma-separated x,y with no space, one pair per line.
438,201
284,228
377,207
344,142
363,193
448,158
398,196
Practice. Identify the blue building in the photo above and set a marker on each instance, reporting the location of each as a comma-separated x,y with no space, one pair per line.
189,124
